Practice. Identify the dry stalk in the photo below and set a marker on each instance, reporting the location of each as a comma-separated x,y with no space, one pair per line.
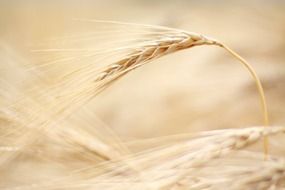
74,92
170,43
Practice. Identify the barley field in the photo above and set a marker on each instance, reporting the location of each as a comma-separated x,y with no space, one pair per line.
160,95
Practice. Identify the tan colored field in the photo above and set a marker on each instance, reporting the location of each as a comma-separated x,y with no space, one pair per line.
57,133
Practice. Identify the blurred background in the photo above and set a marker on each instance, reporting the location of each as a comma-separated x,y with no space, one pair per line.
193,90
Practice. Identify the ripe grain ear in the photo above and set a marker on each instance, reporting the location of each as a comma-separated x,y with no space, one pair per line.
172,41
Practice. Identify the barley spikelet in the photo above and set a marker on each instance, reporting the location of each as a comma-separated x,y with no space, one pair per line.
152,50
162,42
170,43
81,85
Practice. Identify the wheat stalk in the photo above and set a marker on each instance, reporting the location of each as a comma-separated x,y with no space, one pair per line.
72,93
169,43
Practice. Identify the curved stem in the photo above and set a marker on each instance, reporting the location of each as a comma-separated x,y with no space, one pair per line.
260,91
